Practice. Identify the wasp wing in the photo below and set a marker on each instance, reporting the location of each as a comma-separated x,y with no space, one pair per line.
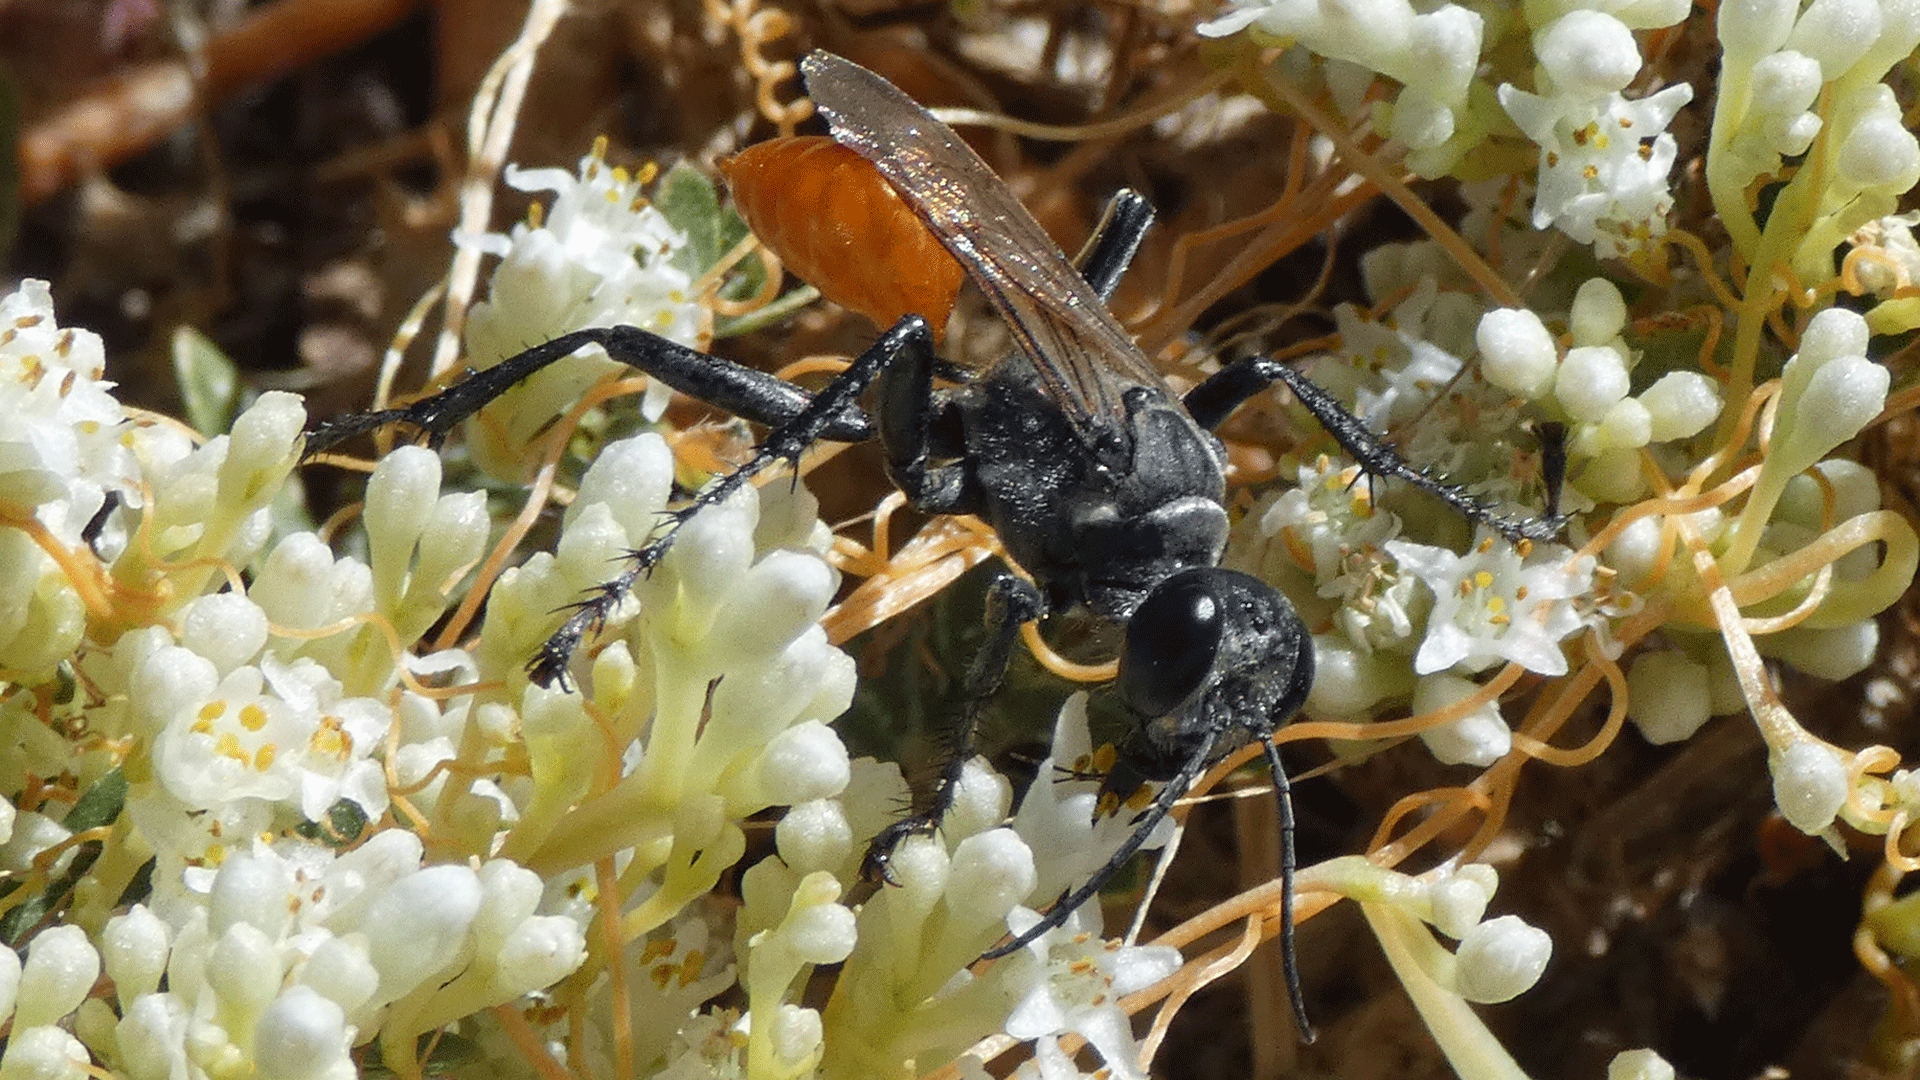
1083,357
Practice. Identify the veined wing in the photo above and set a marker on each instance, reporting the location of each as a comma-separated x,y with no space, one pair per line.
1083,357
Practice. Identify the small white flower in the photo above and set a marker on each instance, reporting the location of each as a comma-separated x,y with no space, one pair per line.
1491,604
1076,986
1604,159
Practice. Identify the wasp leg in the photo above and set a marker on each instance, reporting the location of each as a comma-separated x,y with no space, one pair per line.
742,391
1214,400
1011,601
786,442
1108,252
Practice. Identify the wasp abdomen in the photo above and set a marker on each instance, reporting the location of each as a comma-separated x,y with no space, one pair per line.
839,225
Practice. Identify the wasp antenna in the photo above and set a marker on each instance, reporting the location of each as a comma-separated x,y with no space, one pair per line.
1289,863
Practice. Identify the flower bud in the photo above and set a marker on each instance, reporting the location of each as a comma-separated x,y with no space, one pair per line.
44,1053
1460,899
340,971
457,536
250,888
774,603
150,1035
134,949
992,873
1639,1065
805,762
1836,33
226,628
1628,425
814,835
1840,400
633,478
1443,48
539,952
401,495
1516,352
1599,313
417,928
1680,405
1750,29
61,967
1481,737
1588,53
9,982
1500,959
263,449
980,801
797,1038
244,969
300,1036
1590,380
1809,786
1880,153
1836,653
1667,696
1786,83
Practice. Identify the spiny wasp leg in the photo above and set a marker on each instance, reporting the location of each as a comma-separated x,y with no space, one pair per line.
1011,602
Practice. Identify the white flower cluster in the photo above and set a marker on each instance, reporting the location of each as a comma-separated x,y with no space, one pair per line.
1778,61
1410,620
1432,53
1587,389
906,991
600,255
1604,159
1497,959
352,836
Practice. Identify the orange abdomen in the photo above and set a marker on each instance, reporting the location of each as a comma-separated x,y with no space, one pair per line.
838,225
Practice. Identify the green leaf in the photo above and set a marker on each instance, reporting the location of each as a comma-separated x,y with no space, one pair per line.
99,805
209,382
688,199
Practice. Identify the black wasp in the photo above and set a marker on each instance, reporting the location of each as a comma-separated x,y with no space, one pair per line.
1104,487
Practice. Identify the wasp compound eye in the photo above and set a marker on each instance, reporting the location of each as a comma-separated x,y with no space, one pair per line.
1172,643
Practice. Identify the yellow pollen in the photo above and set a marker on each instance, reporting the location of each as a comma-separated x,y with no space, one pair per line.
228,746
536,215
1496,604
1519,592
1105,758
263,758
1499,620
663,975
252,716
657,949
690,968
1486,545
1482,579
1590,172
648,173
213,710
